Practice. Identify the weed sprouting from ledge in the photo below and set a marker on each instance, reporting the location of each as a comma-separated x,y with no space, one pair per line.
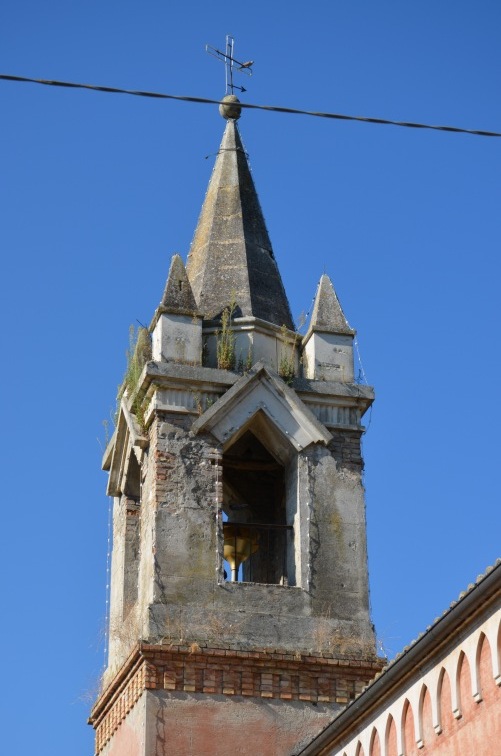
226,355
138,354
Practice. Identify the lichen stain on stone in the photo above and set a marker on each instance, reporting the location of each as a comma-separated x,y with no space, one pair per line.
336,523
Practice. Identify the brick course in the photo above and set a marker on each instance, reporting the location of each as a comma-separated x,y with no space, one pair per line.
258,674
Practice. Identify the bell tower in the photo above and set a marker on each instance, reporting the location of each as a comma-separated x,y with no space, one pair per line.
239,588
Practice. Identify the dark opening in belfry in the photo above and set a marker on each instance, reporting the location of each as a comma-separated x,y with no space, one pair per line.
256,533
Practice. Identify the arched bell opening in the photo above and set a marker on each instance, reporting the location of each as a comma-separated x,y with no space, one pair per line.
257,529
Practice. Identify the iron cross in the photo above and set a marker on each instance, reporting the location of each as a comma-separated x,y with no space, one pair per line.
230,62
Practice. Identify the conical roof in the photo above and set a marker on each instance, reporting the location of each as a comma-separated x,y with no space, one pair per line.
327,311
231,258
178,296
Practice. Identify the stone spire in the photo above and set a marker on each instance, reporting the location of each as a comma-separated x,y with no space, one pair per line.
178,296
231,255
327,311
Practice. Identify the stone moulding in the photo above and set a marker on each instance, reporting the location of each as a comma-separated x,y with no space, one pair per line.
318,406
213,671
262,390
127,436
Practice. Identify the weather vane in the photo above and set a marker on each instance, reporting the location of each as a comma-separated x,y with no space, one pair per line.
230,62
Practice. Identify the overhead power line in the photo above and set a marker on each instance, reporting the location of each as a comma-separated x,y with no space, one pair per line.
249,106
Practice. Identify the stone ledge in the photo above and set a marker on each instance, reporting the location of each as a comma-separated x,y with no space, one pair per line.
179,374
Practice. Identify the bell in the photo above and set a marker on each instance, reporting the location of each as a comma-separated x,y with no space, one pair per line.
240,543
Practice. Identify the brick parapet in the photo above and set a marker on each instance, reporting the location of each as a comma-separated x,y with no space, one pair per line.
215,671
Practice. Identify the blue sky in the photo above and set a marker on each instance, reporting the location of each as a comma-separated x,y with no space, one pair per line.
98,191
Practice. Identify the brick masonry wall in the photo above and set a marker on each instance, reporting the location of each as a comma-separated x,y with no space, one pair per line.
218,672
346,449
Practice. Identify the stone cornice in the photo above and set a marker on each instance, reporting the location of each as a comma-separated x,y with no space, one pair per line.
250,323
348,333
358,391
173,374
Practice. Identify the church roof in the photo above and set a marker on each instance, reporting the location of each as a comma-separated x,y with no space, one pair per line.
231,258
327,311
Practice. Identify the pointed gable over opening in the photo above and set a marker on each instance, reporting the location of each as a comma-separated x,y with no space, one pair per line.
262,392
231,257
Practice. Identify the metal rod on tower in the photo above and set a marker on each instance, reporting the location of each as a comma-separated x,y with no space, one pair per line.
230,44
229,60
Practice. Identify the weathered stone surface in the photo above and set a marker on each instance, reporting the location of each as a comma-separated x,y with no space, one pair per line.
262,390
328,356
327,311
178,296
179,569
177,338
231,257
